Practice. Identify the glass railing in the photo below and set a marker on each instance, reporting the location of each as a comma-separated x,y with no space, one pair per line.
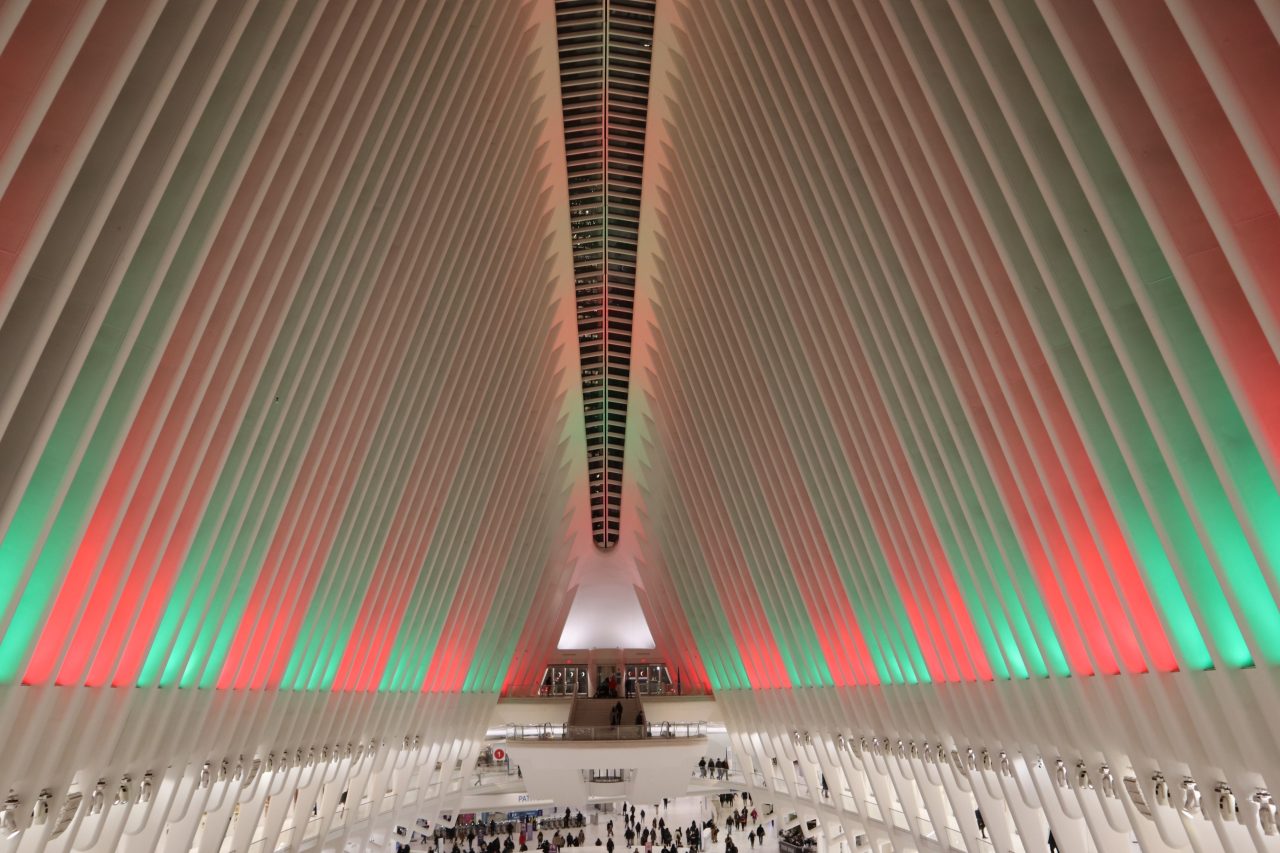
562,731
608,775
549,692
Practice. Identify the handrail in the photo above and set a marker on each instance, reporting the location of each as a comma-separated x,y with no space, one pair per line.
542,691
563,731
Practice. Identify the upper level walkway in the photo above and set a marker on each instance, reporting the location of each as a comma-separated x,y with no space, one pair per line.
591,720
564,731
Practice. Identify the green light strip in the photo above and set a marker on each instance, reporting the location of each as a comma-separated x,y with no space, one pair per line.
144,283
1067,308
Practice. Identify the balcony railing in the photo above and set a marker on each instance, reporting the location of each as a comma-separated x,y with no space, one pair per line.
561,731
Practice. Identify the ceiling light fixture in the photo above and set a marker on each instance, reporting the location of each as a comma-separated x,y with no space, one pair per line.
1266,812
1226,801
1083,782
1190,796
9,817
1107,781
1161,788
40,812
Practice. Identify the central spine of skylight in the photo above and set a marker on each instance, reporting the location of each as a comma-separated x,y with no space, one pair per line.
605,52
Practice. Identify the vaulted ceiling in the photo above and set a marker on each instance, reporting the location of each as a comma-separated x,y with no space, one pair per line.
951,327
963,345
285,400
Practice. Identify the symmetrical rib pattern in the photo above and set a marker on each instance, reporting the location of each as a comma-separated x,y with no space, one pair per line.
965,338
277,362
605,50
956,332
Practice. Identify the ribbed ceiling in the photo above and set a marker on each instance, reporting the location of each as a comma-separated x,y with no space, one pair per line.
944,345
281,398
963,357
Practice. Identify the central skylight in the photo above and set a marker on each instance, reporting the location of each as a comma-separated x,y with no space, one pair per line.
605,50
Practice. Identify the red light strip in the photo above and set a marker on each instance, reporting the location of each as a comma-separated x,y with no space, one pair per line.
721,552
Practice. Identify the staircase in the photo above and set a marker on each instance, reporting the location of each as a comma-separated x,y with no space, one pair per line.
598,762
595,712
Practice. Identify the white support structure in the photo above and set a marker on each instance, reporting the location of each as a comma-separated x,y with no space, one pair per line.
248,775
907,768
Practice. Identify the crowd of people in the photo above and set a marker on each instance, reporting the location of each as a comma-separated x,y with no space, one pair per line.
508,836
716,768
649,832
729,798
738,819
637,828
612,688
645,832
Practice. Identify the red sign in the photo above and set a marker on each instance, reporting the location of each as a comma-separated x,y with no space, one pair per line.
499,754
